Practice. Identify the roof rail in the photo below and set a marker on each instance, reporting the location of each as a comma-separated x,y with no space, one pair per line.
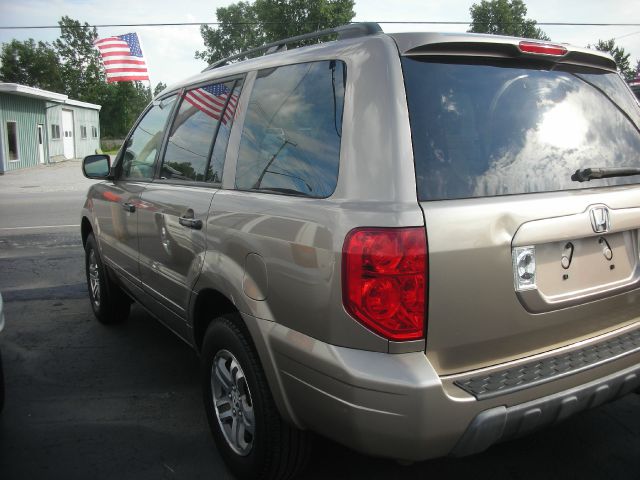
351,30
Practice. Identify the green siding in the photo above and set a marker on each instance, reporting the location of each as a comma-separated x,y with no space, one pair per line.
27,113
81,117
87,118
54,117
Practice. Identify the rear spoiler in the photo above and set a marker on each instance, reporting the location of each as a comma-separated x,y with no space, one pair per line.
412,44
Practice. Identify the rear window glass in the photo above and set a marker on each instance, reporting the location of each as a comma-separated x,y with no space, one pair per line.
291,138
499,128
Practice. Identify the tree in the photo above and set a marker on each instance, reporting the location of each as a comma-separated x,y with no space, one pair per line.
121,103
30,63
504,17
622,58
159,87
245,25
81,67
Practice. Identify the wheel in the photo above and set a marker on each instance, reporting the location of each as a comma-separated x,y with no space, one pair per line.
109,303
250,435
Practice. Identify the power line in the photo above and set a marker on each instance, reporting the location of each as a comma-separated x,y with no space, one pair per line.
198,24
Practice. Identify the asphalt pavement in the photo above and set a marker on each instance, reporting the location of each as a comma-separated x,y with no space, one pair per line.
124,402
43,198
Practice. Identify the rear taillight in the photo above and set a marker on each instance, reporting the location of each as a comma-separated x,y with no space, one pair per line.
542,48
384,280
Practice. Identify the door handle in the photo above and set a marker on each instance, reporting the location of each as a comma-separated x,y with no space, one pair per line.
194,223
129,207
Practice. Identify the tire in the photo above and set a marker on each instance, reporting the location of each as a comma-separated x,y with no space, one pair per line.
266,447
109,303
1,385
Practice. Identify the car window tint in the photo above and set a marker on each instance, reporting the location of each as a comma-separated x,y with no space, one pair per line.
139,157
194,129
291,138
214,172
498,127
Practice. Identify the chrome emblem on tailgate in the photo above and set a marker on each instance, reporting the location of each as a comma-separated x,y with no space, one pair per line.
600,219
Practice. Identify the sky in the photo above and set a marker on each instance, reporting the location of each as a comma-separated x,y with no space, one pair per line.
169,51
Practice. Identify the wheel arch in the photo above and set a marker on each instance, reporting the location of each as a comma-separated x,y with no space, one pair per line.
208,304
85,230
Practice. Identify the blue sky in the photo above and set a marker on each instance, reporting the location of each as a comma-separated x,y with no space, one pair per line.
170,50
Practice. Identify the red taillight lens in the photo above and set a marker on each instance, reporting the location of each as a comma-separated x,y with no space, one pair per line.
384,280
542,48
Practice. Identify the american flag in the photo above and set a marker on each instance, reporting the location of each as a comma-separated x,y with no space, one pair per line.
122,58
211,100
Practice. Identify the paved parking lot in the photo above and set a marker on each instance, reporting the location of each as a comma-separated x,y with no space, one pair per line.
89,401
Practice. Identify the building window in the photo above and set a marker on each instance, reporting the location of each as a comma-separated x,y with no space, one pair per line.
12,140
55,132
83,131
94,132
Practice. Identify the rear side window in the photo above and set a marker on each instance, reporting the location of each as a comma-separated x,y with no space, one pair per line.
204,112
291,138
139,157
486,128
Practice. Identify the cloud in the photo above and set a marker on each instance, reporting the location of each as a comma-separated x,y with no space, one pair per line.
170,50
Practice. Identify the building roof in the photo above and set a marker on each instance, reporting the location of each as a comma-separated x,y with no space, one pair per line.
25,91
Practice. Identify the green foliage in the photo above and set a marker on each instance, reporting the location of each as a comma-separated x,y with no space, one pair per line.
31,63
246,25
159,87
504,17
72,66
621,57
122,103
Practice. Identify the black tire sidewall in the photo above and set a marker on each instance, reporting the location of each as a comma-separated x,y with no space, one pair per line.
1,384
114,304
99,311
222,334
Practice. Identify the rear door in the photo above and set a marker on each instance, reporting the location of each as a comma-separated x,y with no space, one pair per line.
523,259
117,204
176,205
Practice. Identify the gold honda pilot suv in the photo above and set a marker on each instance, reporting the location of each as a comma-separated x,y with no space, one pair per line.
415,244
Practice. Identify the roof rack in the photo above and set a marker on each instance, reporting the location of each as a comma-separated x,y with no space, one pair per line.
352,30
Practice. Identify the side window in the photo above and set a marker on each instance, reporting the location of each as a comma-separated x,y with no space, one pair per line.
291,138
203,112
139,157
214,173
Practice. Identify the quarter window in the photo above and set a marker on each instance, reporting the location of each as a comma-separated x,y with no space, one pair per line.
203,112
139,158
291,138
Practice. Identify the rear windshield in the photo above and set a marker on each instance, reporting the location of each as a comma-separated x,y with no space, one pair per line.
497,128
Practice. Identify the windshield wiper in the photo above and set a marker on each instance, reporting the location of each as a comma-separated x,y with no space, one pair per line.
586,174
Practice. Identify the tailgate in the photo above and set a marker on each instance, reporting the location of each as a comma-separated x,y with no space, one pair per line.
523,258
476,315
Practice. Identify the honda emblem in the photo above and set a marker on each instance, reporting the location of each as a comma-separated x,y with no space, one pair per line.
600,219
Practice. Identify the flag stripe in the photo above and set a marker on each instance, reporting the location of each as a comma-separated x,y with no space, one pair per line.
127,69
124,60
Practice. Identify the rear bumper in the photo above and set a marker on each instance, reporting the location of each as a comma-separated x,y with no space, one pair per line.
397,406
505,423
